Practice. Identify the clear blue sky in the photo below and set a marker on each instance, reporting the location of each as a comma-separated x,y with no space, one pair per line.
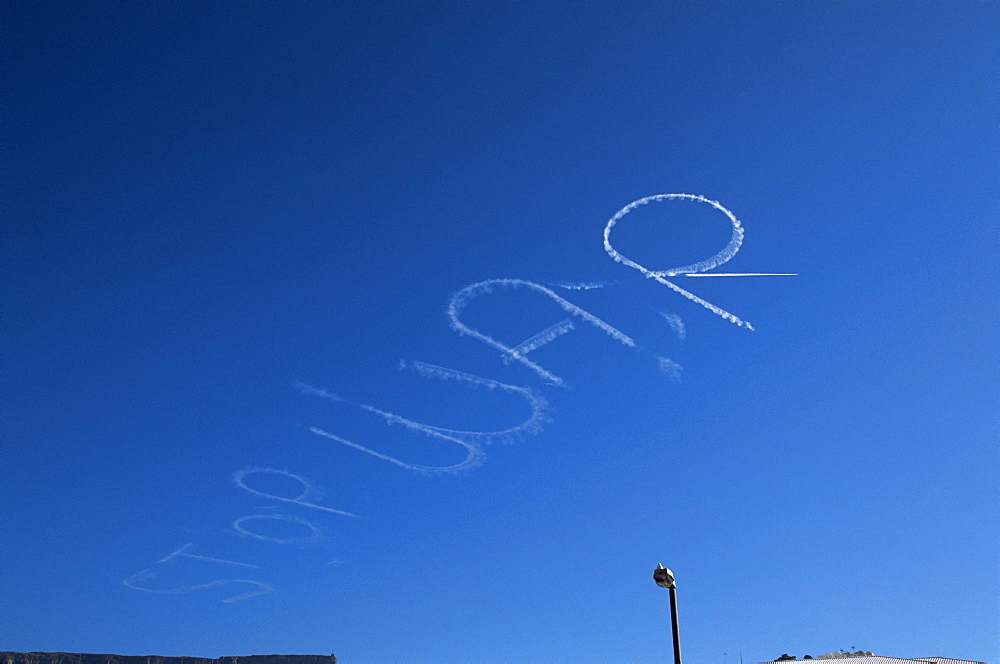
217,215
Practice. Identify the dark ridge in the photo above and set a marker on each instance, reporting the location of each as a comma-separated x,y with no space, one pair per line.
86,658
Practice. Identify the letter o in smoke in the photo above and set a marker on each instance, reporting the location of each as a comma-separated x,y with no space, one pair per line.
240,475
718,259
238,525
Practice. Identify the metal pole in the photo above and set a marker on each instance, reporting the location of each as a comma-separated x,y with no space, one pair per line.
673,625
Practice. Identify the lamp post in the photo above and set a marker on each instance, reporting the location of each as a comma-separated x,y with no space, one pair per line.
665,579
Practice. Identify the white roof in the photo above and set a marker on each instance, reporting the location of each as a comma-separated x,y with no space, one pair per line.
878,659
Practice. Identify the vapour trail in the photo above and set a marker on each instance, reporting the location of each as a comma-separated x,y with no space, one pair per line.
240,475
471,441
659,275
463,297
708,305
743,274
676,324
537,341
588,285
669,368
317,392
180,552
148,573
238,527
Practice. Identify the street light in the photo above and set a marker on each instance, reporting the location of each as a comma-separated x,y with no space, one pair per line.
665,579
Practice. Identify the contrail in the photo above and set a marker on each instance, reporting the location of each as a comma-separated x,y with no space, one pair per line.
676,324
463,297
315,391
240,475
741,274
539,340
471,441
180,553
238,526
586,285
147,574
708,305
718,259
474,455
659,275
670,369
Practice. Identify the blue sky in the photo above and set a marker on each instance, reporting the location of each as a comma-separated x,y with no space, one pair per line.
209,206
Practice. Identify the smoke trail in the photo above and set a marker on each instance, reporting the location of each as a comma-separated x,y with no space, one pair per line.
670,369
148,573
238,527
708,305
180,553
539,340
315,391
718,259
474,455
240,475
532,424
586,285
472,441
462,298
744,274
676,324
